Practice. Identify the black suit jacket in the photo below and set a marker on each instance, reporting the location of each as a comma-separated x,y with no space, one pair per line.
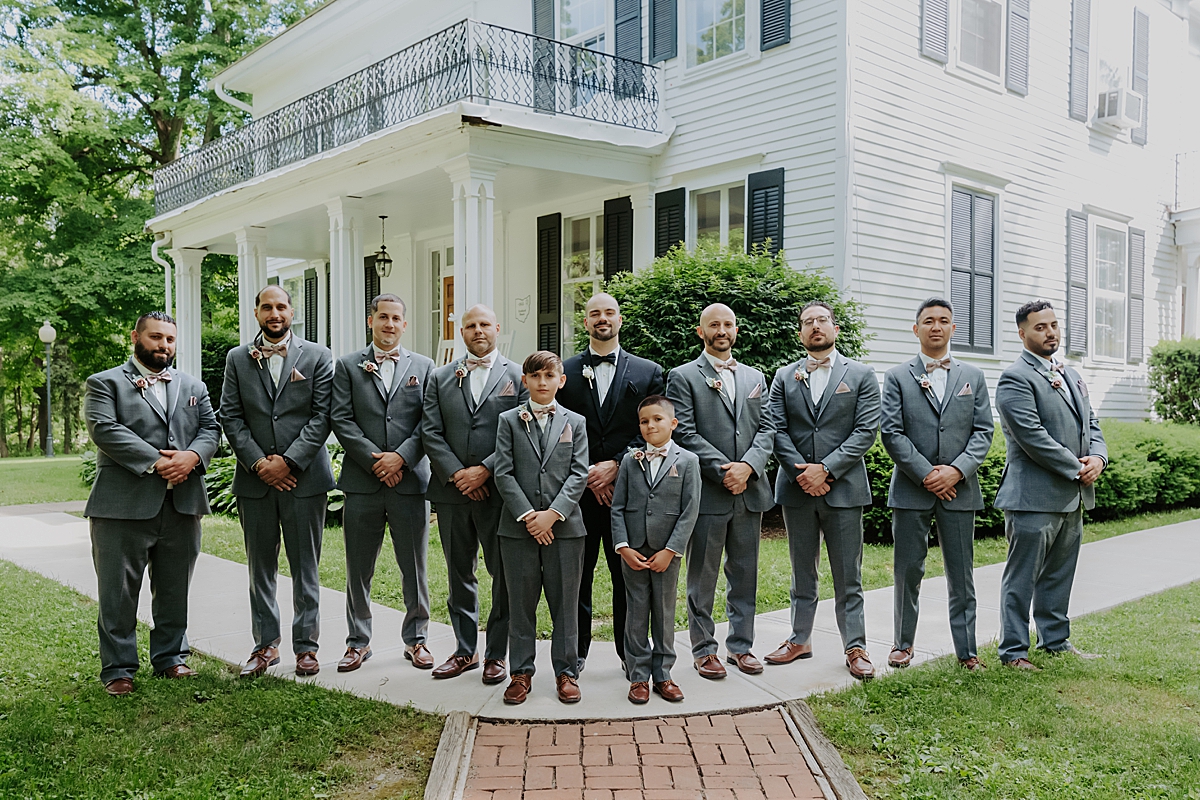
612,428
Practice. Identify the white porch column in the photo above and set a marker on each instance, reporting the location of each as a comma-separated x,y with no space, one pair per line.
346,281
642,199
1191,293
252,276
473,178
187,308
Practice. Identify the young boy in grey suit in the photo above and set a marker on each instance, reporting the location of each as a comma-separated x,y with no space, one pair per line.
656,501
541,471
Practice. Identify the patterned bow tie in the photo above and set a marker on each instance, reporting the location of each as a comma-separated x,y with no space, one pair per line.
155,377
475,363
611,358
812,365
393,356
938,363
269,350
655,452
1058,366
542,413
730,365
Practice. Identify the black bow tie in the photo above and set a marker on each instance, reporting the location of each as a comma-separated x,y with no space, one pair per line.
611,358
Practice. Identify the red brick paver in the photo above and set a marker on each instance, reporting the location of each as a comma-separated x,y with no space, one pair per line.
748,756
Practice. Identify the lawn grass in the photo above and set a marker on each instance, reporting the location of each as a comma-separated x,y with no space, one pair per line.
215,736
40,480
1126,725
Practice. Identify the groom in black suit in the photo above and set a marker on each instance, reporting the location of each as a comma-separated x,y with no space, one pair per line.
605,385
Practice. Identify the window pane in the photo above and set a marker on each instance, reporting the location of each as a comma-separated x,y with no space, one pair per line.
1110,260
295,287
580,16
1110,327
598,261
708,217
737,218
579,248
716,28
980,34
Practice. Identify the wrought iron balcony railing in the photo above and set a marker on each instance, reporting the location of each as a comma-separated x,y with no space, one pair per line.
471,61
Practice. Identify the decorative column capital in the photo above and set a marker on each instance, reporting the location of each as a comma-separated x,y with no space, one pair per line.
245,236
187,259
472,172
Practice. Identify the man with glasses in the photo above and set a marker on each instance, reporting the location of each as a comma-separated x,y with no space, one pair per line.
825,409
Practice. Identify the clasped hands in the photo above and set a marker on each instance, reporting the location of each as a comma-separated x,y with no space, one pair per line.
176,465
1092,467
470,481
388,467
655,563
737,476
814,479
941,480
540,525
602,480
275,472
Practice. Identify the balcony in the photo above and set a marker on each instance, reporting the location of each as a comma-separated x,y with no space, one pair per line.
470,61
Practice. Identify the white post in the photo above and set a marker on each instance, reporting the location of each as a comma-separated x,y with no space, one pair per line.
642,199
473,179
252,277
187,308
346,278
1191,294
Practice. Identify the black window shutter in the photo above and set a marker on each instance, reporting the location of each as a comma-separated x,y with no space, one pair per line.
371,284
328,305
618,236
973,269
1081,30
1077,284
1016,77
627,36
543,18
776,23
935,30
543,56
549,282
668,220
310,305
1141,68
1137,295
764,192
663,30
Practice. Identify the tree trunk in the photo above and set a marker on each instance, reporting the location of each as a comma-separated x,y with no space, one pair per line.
20,415
3,412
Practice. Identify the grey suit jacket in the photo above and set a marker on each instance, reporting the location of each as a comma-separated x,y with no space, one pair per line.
530,480
837,433
720,432
457,433
367,418
661,513
920,432
1047,434
292,421
129,428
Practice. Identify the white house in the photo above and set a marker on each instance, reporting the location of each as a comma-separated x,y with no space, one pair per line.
521,150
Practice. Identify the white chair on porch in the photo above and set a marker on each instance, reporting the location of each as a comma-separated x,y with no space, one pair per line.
445,352
504,344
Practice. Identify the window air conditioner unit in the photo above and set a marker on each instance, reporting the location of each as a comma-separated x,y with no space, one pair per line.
1121,108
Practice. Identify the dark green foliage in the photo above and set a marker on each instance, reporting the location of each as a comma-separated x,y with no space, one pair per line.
661,306
1175,380
215,344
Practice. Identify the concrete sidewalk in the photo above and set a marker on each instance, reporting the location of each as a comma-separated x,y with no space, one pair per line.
1111,572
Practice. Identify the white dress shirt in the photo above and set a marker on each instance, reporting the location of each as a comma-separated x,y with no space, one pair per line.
387,370
937,378
818,379
605,372
479,376
275,363
728,383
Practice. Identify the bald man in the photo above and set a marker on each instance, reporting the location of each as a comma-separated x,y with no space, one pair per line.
463,402
720,407
605,384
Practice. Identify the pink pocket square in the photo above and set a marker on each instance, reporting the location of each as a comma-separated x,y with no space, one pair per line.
755,392
966,390
192,400
509,390
842,388
674,473
1082,387
412,381
567,435
297,376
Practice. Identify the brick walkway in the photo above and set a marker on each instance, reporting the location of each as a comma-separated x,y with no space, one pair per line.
741,757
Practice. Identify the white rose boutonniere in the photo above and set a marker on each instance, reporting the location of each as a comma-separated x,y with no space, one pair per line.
590,374
525,417
461,372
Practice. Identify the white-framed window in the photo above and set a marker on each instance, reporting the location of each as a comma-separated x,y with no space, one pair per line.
1109,289
977,32
715,29
583,22
583,271
719,216
295,287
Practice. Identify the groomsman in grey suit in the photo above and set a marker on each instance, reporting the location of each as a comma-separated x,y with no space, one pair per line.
463,401
1055,454
377,399
825,408
937,427
155,432
275,411
719,405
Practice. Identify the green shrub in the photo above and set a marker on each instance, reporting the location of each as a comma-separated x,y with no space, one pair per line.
1175,380
215,344
87,468
661,306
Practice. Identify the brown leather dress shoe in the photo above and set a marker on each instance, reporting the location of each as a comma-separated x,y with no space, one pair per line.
177,671
709,666
639,692
494,671
419,655
307,664
787,652
119,687
568,689
973,664
900,658
667,690
746,662
354,658
859,664
518,689
454,666
259,661
1022,664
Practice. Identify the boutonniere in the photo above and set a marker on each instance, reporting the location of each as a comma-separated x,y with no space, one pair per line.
639,456
714,383
924,381
461,372
257,355
141,383
524,415
590,374
802,374
369,367
1056,382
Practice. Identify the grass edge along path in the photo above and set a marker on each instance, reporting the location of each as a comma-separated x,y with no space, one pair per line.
214,736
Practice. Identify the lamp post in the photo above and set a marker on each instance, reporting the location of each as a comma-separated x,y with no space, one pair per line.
47,334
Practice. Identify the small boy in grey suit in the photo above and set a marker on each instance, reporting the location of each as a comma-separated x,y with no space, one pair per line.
656,501
541,469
